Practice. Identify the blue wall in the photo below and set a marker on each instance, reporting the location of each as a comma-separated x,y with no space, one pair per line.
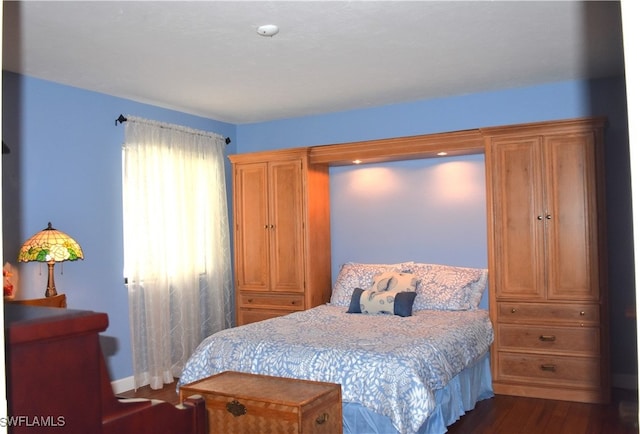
422,210
49,125
551,101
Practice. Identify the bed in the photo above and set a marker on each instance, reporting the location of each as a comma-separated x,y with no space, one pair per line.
412,361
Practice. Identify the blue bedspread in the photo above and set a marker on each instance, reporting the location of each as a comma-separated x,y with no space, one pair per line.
389,364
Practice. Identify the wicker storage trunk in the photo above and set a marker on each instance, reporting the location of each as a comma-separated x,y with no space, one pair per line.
258,404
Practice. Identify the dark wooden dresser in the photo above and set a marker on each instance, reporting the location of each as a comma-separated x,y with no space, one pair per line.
53,369
57,381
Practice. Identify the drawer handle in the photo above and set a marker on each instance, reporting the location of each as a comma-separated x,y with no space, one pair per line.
548,368
582,313
236,409
322,418
547,338
250,300
513,310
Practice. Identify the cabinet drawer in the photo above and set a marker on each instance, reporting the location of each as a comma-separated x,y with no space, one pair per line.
272,301
554,371
577,340
549,313
246,316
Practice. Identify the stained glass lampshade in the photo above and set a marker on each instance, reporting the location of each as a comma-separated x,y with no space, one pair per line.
50,245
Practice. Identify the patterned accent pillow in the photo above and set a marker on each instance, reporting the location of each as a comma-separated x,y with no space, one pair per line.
394,281
445,287
356,275
384,302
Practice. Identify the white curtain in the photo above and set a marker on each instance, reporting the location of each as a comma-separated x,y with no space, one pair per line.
176,244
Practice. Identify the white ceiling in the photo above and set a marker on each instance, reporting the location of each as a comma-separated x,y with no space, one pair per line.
206,58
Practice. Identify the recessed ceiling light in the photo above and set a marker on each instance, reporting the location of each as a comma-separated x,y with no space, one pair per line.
267,30
442,153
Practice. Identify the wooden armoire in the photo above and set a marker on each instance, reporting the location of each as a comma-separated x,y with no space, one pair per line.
281,233
547,262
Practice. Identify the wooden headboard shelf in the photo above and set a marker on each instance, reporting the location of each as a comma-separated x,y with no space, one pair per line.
455,143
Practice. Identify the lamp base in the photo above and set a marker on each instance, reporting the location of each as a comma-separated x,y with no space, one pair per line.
51,284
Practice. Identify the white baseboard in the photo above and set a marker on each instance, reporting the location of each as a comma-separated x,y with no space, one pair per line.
122,385
624,381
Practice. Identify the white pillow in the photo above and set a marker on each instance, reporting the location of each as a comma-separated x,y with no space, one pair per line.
445,287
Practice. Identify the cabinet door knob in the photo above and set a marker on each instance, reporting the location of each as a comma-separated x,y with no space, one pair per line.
548,216
539,217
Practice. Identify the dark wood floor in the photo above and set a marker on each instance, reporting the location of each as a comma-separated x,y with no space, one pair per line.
167,393
514,415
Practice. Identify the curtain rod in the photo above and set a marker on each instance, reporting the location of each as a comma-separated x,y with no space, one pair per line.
122,119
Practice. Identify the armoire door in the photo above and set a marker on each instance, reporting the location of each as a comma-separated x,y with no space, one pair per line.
251,217
571,217
286,233
519,226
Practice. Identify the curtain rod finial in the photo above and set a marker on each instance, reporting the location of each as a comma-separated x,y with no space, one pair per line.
121,119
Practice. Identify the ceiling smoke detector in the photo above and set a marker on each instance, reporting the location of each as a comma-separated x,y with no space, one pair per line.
268,30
